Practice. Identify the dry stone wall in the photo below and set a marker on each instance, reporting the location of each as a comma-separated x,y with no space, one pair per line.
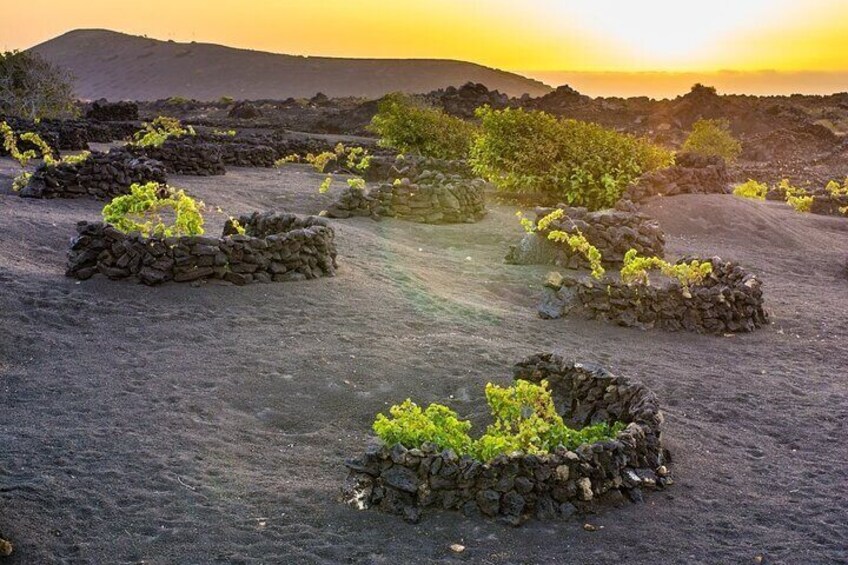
275,247
691,174
101,175
517,487
613,232
186,156
729,300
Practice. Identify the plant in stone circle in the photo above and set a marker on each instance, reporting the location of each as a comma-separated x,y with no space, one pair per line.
579,244
293,158
836,190
800,203
157,132
636,268
525,420
356,183
751,189
324,187
236,225
155,210
713,138
411,427
576,242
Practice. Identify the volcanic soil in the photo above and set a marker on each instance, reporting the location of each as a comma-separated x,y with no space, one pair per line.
209,424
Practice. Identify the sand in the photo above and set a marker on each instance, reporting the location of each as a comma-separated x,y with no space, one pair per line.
209,424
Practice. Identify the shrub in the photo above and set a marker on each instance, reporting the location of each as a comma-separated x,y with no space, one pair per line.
836,190
142,211
525,420
801,203
576,242
155,133
713,138
582,163
635,269
33,88
413,127
751,189
410,426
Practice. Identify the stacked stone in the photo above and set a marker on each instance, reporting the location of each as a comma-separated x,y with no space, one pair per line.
101,175
20,125
388,167
247,155
691,174
829,204
105,111
432,199
106,132
275,247
355,202
729,300
517,487
186,156
613,232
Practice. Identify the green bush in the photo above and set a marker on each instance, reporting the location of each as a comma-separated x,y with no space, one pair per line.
751,189
581,163
525,420
155,133
142,211
412,127
635,269
713,138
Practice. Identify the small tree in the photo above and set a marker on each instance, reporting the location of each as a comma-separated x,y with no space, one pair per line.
713,138
413,127
34,88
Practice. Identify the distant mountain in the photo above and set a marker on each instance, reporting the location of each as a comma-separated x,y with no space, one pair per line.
116,66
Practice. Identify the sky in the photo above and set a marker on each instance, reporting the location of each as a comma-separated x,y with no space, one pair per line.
535,37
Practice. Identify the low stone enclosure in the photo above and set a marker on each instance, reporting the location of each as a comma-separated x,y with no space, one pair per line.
432,199
105,111
691,174
101,175
185,156
824,203
517,487
276,247
613,232
389,167
728,300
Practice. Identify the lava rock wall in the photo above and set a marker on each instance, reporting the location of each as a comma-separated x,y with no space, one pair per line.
275,247
691,174
186,156
441,202
105,111
613,232
101,175
729,300
517,487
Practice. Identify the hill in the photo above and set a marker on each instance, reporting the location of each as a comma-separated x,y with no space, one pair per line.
114,65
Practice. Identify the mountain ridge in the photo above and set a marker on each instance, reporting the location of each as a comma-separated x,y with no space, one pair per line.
115,65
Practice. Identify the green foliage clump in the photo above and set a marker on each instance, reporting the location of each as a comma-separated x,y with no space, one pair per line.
576,242
835,189
751,189
176,101
413,127
142,211
635,269
525,420
293,158
324,187
226,100
34,88
224,133
411,426
582,163
356,183
800,203
713,138
155,133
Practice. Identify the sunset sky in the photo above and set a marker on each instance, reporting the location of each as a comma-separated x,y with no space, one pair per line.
527,36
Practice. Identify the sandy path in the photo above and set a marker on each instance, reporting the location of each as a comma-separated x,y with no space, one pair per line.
209,425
